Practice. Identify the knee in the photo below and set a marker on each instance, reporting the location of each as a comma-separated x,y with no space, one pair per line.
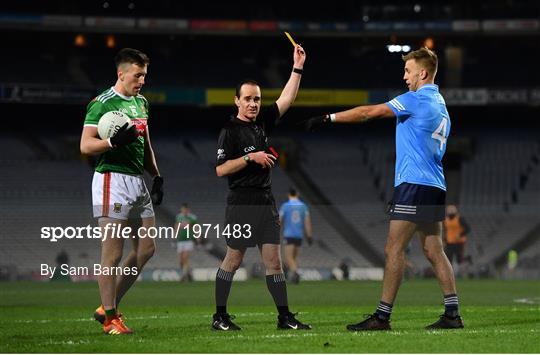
111,258
433,254
273,263
232,263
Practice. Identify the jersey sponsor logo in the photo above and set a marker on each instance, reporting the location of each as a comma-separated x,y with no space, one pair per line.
221,153
249,149
140,125
117,207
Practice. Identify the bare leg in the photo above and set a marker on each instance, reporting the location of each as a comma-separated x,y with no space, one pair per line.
399,236
184,260
233,259
224,277
271,257
289,258
143,249
275,280
111,253
431,238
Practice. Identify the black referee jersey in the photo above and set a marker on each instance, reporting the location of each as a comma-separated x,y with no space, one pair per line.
238,138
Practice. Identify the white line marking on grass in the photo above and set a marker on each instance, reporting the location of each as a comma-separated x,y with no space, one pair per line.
530,300
66,342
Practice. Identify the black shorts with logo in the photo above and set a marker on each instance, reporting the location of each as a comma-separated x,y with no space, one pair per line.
417,203
256,208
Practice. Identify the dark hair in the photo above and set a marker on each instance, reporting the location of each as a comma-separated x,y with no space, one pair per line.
185,205
244,82
132,56
293,192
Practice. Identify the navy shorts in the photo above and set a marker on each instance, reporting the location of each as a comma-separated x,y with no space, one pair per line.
417,203
293,241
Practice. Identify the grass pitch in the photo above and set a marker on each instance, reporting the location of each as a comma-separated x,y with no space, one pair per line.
500,317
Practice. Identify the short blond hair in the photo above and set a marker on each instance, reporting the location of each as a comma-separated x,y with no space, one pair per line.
426,58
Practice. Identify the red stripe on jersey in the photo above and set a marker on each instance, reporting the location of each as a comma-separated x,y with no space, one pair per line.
106,193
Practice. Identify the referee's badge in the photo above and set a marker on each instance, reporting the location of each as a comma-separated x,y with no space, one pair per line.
117,207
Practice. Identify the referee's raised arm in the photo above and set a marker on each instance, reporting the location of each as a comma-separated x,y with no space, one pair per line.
288,95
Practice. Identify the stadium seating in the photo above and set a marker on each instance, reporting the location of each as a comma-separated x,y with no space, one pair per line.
45,183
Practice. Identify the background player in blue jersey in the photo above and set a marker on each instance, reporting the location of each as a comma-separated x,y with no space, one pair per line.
296,223
422,129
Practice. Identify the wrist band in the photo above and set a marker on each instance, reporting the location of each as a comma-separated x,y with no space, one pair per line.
298,71
332,117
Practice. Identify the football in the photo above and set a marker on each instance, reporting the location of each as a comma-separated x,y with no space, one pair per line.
110,123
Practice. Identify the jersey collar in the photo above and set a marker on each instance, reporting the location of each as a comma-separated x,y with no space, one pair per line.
429,86
128,98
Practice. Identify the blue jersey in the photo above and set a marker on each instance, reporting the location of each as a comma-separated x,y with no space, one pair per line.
293,214
423,126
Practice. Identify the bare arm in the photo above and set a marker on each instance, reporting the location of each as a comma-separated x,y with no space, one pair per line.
364,113
288,95
307,225
150,163
91,144
234,165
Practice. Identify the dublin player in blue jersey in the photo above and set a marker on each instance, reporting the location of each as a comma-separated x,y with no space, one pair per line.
296,222
422,129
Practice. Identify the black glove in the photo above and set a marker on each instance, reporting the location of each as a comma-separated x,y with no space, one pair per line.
124,136
157,190
314,123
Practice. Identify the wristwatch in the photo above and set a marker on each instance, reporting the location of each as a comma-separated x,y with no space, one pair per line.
246,158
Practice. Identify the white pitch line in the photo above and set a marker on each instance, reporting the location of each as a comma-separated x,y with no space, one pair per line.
533,300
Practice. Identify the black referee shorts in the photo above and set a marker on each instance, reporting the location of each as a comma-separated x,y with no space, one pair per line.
256,208
417,203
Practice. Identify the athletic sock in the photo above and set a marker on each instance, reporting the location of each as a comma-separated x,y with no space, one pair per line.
223,288
384,310
278,289
110,314
451,305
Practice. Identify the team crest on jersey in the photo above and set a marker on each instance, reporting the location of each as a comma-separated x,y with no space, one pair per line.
117,207
133,109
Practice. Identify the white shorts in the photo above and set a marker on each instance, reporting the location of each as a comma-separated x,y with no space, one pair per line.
185,245
120,196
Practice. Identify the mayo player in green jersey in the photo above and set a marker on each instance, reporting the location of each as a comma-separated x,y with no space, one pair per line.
119,195
184,222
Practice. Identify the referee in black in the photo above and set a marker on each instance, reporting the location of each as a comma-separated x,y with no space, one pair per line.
244,156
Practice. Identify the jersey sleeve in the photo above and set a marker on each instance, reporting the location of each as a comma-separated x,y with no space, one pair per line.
225,148
306,210
94,111
403,105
